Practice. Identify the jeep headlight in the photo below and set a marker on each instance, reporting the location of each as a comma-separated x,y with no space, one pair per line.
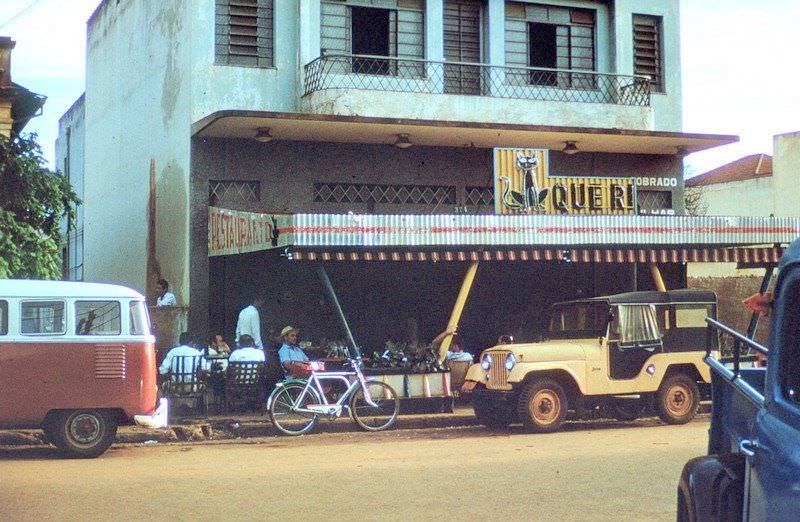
486,362
510,361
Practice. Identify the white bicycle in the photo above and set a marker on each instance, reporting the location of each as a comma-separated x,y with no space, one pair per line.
295,405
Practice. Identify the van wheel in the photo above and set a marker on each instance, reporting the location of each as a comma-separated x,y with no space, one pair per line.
542,406
678,399
84,433
492,415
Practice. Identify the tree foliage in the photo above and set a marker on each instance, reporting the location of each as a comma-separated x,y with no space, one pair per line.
33,203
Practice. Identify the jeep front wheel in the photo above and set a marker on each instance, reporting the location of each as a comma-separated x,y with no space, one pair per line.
491,415
678,399
542,406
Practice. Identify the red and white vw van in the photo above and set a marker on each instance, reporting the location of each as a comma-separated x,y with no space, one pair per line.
76,359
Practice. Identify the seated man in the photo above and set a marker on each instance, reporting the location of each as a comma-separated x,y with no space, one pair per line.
247,351
455,352
184,348
290,351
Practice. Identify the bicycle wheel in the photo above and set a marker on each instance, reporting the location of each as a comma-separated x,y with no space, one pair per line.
380,416
283,415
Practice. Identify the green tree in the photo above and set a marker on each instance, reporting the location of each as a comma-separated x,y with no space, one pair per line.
33,202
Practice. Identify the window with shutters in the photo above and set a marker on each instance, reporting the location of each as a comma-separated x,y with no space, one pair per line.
391,28
648,55
244,32
550,37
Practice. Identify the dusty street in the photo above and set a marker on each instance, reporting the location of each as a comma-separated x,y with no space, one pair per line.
591,471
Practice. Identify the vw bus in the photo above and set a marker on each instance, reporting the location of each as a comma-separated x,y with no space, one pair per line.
76,360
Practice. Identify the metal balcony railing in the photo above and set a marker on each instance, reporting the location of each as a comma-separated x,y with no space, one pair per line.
386,73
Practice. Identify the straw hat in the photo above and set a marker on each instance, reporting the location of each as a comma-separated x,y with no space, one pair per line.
287,330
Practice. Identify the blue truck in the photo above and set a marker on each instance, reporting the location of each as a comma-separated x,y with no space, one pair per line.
752,470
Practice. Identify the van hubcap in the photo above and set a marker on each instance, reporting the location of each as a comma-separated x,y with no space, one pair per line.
85,428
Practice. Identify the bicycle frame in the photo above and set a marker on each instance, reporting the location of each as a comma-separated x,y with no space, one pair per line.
315,382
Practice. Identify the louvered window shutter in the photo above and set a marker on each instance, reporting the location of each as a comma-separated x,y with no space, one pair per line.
245,32
648,56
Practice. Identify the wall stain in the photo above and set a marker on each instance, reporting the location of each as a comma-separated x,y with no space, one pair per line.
169,23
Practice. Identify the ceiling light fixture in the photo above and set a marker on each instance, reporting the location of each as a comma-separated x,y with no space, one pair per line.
570,148
402,141
264,135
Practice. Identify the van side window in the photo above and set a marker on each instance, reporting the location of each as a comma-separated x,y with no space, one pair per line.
138,317
3,317
97,318
42,317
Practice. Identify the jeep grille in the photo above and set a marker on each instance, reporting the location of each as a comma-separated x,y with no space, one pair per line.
498,375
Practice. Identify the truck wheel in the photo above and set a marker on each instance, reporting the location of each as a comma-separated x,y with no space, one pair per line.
84,433
678,399
542,406
492,415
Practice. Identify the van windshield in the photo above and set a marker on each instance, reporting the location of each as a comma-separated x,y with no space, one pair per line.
578,320
138,318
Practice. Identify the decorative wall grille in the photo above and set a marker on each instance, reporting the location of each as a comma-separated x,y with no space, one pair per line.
389,194
233,192
478,196
650,200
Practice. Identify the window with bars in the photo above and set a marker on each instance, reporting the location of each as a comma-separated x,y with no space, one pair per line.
648,55
233,193
652,201
550,37
462,43
386,194
244,32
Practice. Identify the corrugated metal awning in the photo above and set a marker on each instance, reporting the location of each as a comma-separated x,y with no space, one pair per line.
754,256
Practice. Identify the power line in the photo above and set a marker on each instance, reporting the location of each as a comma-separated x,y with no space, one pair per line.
25,10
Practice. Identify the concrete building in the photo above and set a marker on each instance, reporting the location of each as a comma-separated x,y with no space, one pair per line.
393,109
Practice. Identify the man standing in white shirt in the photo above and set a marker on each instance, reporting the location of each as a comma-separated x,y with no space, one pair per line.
249,322
163,296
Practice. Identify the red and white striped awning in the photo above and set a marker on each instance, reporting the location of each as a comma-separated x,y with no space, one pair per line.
747,255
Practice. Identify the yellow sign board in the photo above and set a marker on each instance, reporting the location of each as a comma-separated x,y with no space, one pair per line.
522,186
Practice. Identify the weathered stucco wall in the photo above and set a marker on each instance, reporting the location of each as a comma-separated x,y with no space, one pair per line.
667,106
786,174
137,110
70,152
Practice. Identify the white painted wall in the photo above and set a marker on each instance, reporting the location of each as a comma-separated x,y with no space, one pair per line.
138,108
70,161
786,173
667,105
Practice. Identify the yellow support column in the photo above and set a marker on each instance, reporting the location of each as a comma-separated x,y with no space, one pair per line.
458,308
657,279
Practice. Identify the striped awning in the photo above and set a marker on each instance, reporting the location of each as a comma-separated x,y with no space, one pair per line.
748,255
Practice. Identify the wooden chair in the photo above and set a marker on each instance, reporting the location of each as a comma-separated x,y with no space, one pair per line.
245,385
185,381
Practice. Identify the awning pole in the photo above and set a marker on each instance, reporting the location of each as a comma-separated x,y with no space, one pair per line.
326,282
458,308
657,278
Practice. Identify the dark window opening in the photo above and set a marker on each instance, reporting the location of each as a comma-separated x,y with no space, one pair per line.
543,53
370,33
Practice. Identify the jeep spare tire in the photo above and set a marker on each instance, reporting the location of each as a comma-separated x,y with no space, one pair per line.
542,406
678,399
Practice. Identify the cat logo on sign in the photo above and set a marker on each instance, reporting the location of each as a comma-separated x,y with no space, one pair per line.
522,186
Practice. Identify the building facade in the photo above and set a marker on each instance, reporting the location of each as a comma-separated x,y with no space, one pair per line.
370,107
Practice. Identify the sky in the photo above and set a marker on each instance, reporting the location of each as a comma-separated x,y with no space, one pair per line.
739,68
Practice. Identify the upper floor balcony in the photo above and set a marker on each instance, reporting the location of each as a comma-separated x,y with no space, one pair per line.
391,87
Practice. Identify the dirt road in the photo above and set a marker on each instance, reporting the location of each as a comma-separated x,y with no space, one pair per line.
592,471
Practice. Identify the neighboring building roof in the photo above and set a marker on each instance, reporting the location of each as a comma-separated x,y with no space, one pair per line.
27,105
749,167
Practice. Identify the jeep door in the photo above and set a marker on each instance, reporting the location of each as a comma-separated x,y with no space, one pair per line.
634,337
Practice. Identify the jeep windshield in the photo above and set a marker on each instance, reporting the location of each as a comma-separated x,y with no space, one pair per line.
580,320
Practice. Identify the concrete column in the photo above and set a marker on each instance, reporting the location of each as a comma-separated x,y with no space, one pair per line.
785,174
308,41
434,42
495,43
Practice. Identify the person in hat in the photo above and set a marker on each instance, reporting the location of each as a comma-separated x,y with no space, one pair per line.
290,350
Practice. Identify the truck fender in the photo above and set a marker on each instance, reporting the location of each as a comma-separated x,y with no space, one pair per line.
711,488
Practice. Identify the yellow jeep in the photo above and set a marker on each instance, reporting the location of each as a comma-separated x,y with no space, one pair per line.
614,354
